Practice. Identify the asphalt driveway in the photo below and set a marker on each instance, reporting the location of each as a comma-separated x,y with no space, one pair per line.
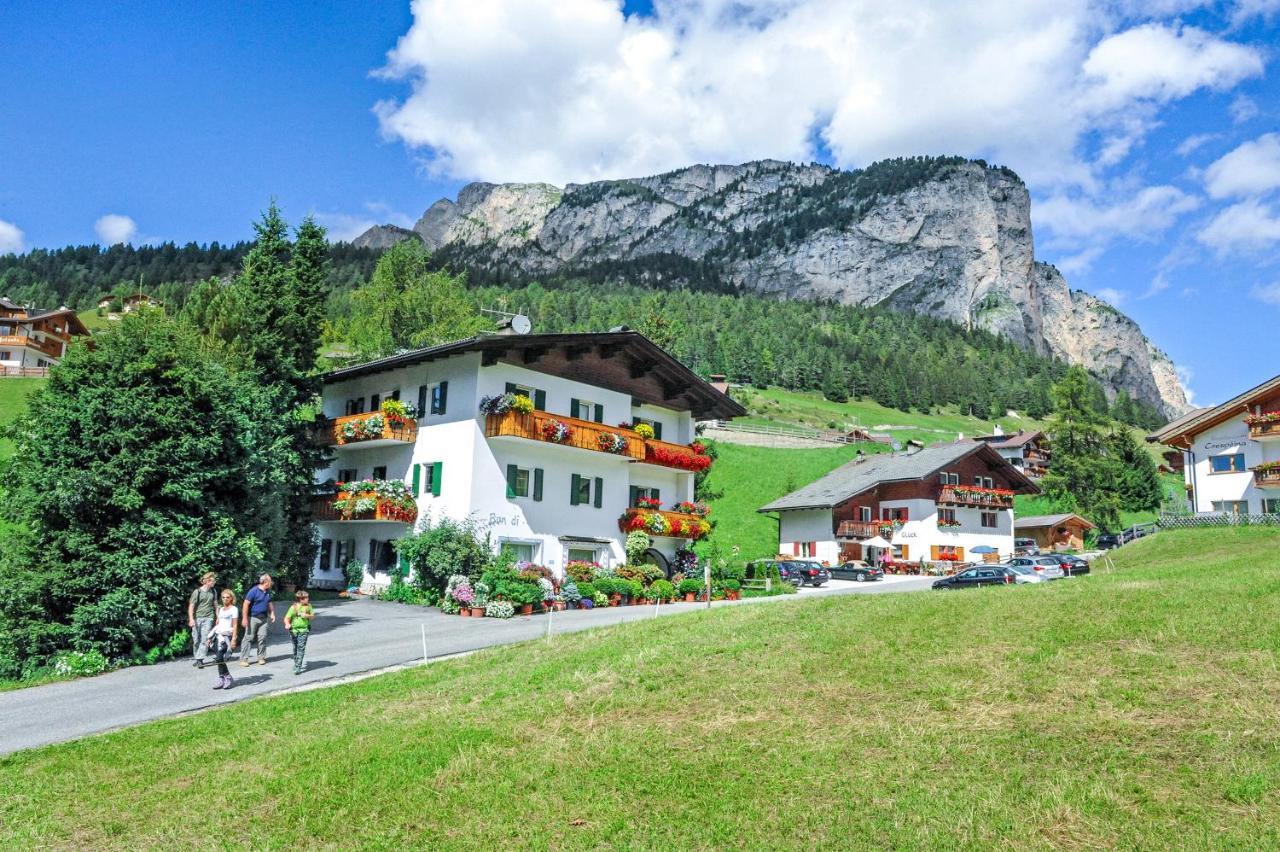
348,638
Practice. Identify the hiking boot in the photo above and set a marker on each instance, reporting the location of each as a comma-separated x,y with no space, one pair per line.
198,664
244,663
262,661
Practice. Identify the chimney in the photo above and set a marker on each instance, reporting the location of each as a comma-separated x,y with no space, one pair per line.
720,382
913,447
998,430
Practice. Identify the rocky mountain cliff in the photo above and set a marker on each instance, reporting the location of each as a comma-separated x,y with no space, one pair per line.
944,237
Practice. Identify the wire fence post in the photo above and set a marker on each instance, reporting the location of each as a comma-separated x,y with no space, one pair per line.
424,640
548,633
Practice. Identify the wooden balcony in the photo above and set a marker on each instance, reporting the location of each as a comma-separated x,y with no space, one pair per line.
47,347
355,430
677,456
1266,431
384,510
1266,478
859,529
585,435
675,524
962,495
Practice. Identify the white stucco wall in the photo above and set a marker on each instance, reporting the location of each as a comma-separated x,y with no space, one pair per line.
1225,439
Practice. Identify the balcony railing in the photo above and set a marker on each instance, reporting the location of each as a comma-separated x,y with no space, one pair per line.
371,428
964,495
1264,430
366,506
583,434
678,456
858,529
48,347
658,522
1266,478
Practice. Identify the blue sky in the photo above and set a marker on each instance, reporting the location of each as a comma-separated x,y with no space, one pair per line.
1146,137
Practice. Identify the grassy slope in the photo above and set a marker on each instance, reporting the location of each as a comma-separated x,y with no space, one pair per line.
751,477
13,400
93,322
1133,708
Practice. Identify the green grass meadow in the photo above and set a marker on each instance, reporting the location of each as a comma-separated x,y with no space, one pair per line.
1134,708
13,401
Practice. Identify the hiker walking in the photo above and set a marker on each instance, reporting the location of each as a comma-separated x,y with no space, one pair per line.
201,609
258,616
298,622
225,632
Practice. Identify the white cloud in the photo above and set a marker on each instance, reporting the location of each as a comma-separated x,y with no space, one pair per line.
1112,295
11,238
114,228
345,227
573,90
1185,375
1246,9
1249,169
1141,215
1246,226
1269,293
1080,262
1242,109
1193,143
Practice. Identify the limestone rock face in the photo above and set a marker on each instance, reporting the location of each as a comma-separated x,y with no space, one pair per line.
946,237
383,236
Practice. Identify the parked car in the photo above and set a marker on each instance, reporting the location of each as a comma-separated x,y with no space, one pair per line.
810,571
857,570
1108,541
1025,547
979,575
1073,566
1024,574
759,570
1045,566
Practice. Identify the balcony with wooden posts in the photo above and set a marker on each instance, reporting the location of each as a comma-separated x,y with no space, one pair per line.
567,432
364,506
860,529
971,495
373,429
686,457
1264,427
47,347
663,523
1266,477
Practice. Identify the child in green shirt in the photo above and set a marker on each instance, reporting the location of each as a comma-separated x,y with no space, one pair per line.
298,622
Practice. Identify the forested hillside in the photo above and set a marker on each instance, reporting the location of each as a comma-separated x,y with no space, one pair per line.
898,359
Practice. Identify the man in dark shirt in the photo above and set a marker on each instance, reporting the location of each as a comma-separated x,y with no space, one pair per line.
257,617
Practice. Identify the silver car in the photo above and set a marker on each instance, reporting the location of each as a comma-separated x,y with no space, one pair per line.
1046,566
1023,574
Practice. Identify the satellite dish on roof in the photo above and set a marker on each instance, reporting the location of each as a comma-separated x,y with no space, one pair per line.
520,324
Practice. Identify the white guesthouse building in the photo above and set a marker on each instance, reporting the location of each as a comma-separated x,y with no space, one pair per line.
548,494
934,504
1231,453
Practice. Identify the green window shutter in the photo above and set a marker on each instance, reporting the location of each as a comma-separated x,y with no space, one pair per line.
657,430
657,494
599,413
537,483
573,489
511,387
436,469
511,480
599,492
635,494
573,407
404,567
417,480
540,400
422,400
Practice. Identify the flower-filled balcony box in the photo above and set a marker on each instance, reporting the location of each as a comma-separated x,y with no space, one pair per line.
692,457
657,522
972,495
513,416
1265,426
369,500
394,423
1267,475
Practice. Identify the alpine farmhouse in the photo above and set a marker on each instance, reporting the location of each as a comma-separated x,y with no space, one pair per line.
557,444
933,504
1231,453
33,340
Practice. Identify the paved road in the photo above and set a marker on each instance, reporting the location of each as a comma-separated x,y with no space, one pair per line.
348,638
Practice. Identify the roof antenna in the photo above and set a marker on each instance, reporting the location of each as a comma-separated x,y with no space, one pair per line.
510,323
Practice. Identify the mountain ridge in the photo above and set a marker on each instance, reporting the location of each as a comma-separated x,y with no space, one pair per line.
941,236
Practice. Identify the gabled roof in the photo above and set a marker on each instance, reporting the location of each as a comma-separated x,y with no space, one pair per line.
866,473
1182,430
1008,442
626,361
1037,521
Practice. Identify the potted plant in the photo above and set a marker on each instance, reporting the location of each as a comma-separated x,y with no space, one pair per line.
662,590
499,609
732,589
689,587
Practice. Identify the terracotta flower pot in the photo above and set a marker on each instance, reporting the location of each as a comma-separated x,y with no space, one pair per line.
526,609
558,606
689,596
464,612
615,600
477,612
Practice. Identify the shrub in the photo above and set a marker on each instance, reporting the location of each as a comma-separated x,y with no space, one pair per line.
644,430
731,584
499,609
662,590
581,571
80,663
634,589
570,593
606,586
437,550
604,572
689,586
586,590
353,572
637,544
600,599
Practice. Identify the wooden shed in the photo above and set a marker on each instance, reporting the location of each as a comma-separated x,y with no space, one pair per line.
1053,532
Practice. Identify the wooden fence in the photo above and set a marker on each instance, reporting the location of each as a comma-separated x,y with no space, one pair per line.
24,372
